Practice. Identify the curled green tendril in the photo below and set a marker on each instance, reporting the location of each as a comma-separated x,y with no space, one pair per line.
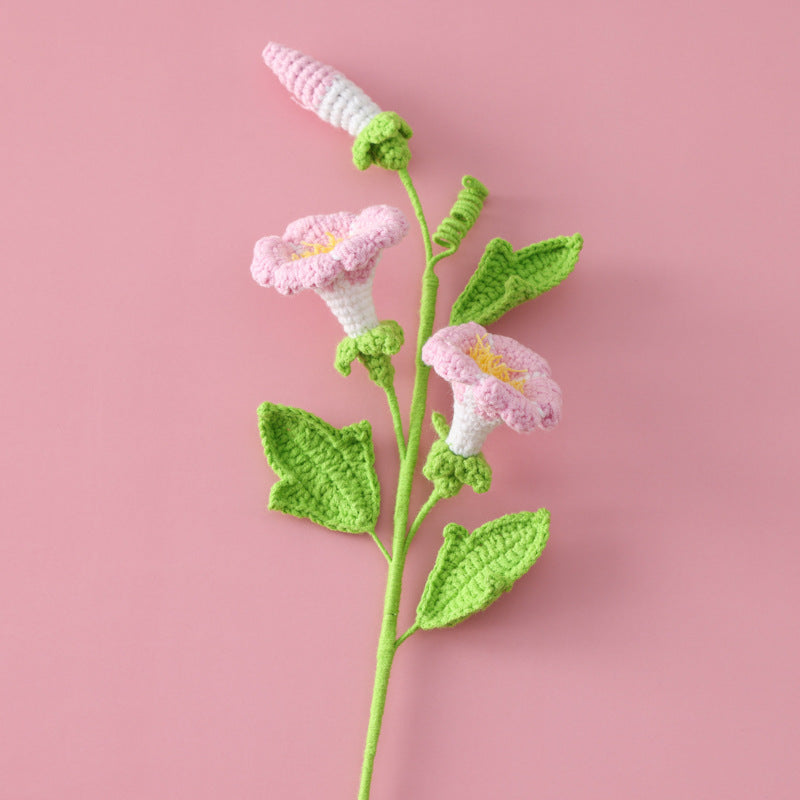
449,471
463,214
384,141
374,349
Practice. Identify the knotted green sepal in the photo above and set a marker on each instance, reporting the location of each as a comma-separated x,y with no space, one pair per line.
449,471
383,141
473,570
374,349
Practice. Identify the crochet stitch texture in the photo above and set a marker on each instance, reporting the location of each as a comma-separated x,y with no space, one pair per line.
334,254
327,474
321,89
482,400
473,570
285,263
506,278
448,470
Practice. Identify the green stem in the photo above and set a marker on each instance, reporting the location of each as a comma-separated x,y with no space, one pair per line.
420,215
397,420
423,512
410,632
439,256
387,648
381,546
387,641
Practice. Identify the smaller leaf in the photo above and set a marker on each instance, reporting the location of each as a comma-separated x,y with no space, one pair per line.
473,570
506,278
326,474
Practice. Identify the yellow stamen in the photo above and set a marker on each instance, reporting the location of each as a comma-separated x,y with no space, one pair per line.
315,248
492,364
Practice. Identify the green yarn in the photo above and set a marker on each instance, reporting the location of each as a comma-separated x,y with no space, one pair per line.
374,349
449,471
326,474
505,279
388,641
383,141
463,215
473,570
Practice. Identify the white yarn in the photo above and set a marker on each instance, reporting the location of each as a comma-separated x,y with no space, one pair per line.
347,106
352,304
468,431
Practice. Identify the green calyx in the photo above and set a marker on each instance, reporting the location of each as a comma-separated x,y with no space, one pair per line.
384,141
449,471
374,349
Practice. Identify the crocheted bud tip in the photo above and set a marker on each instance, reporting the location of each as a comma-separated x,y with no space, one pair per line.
383,141
306,78
321,89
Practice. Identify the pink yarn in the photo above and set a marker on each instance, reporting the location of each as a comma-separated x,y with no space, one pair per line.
306,78
538,405
363,237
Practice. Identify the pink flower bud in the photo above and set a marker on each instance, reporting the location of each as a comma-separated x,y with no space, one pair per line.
321,89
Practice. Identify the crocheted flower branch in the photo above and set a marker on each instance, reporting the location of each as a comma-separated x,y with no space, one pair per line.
327,474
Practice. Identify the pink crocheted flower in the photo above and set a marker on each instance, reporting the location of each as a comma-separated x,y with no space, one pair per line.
334,254
495,379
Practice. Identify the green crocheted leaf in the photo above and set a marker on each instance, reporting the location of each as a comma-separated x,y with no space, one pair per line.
506,278
473,570
326,473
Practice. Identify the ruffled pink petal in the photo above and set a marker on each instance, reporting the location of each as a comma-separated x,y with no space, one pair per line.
537,406
498,400
273,266
517,356
269,251
315,227
446,352
363,236
357,257
546,394
384,225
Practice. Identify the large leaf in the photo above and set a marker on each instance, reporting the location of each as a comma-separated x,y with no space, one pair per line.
326,473
506,278
473,570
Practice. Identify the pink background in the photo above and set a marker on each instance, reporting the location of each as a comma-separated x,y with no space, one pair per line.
163,636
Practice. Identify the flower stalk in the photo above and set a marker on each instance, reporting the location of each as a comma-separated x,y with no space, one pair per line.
388,641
